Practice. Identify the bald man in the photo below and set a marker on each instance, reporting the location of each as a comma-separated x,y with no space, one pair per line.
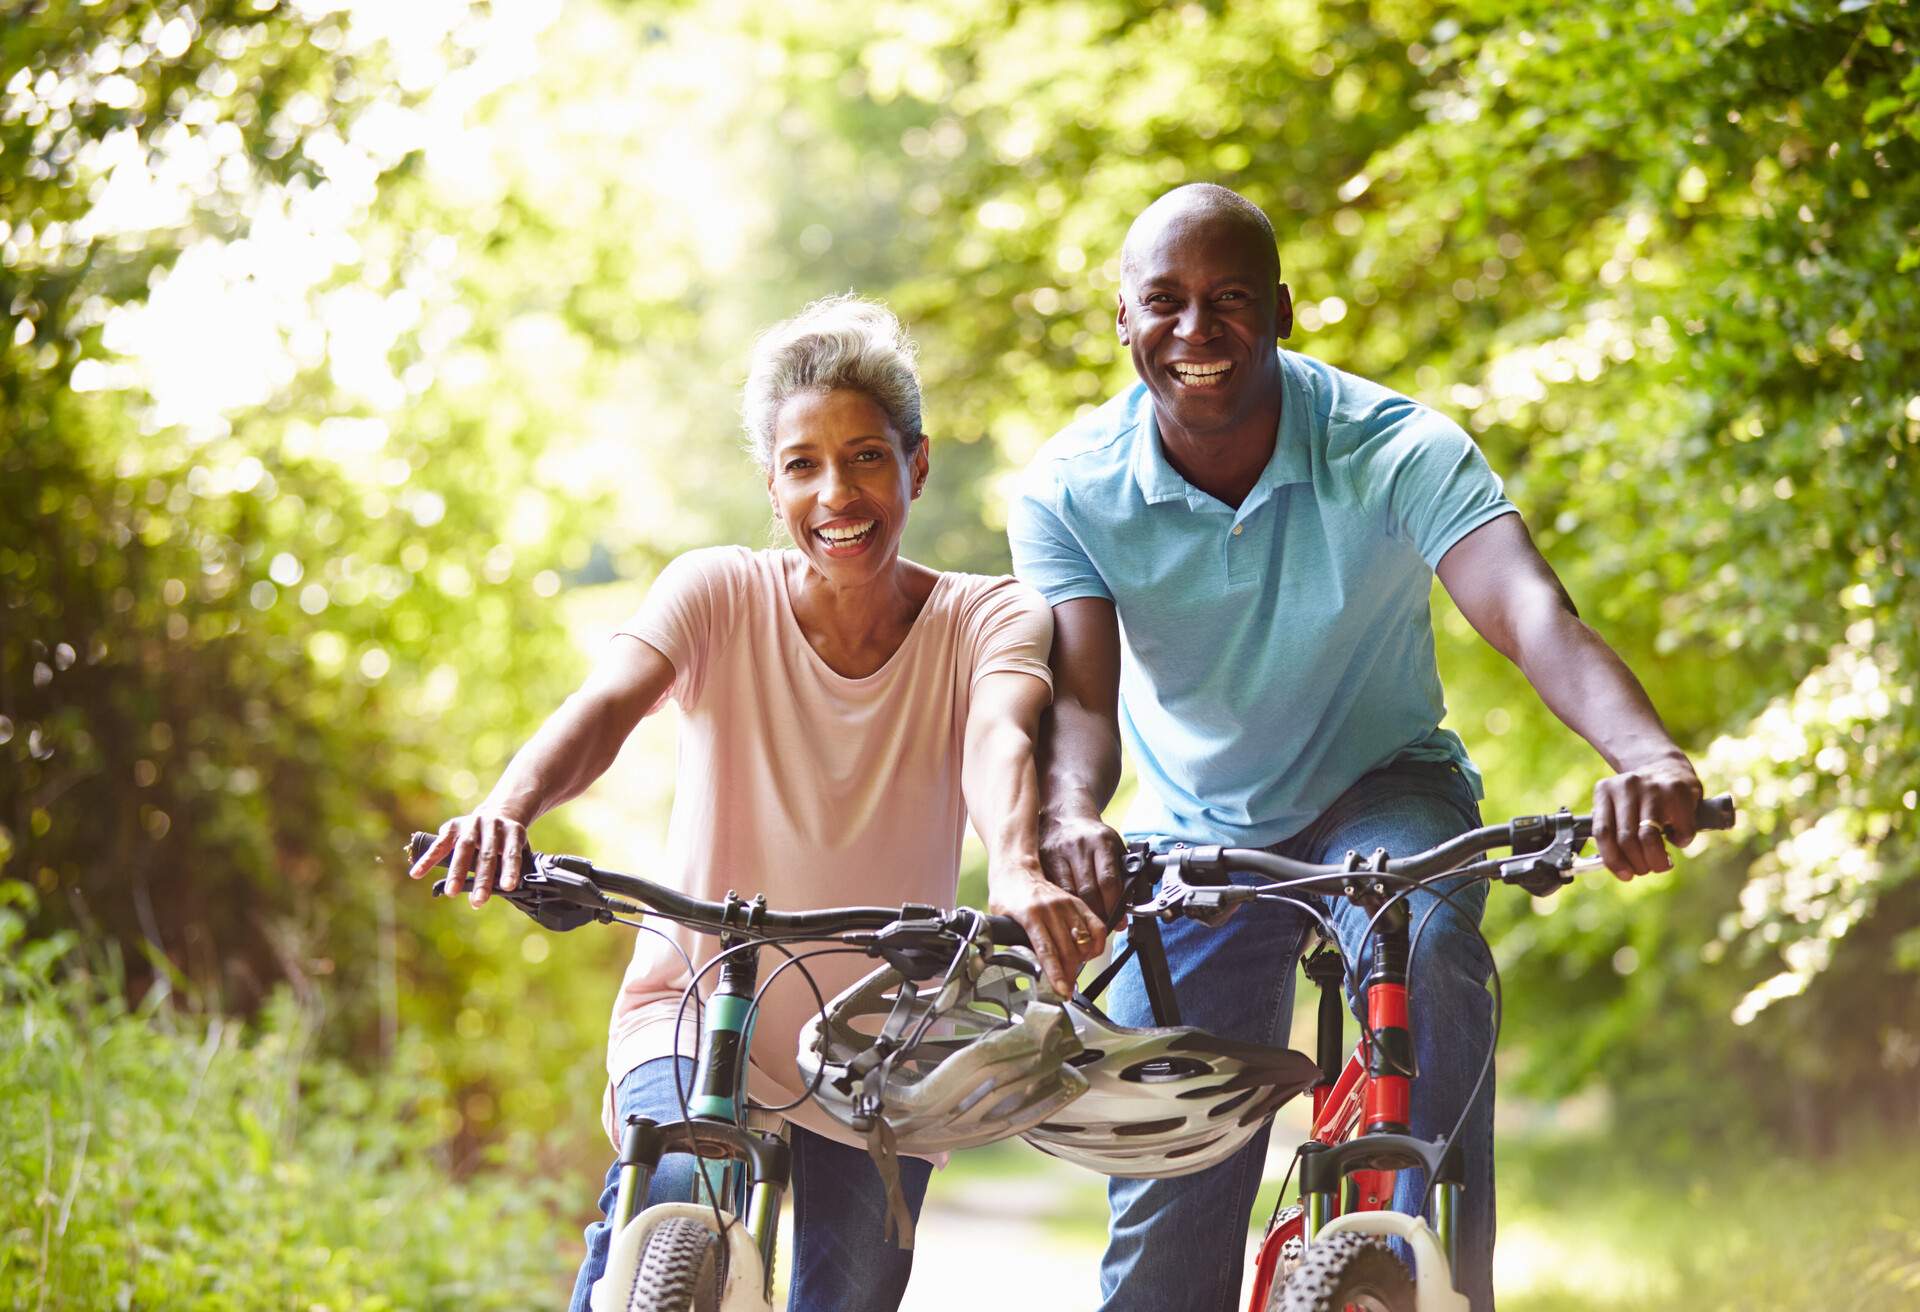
1239,552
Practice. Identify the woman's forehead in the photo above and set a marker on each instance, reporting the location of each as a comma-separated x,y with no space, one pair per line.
838,416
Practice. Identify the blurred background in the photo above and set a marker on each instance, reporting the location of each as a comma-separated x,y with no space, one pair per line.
360,363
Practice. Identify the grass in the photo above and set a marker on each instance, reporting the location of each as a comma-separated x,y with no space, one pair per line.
150,1158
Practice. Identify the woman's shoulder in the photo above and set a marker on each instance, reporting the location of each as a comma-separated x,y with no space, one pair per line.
990,589
730,567
976,601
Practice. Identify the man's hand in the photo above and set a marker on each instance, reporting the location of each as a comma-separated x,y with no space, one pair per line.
488,844
1064,931
1636,810
1082,855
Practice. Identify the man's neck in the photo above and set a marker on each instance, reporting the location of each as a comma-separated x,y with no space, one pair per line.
1225,463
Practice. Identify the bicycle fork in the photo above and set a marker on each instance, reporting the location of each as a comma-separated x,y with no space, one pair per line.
713,1134
1384,1146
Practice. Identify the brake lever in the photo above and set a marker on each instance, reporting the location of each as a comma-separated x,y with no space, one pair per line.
554,897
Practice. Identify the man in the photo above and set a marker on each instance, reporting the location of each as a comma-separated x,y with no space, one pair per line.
1239,552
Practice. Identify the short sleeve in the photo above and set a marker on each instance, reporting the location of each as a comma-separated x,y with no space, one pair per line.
683,611
1046,554
1434,486
1008,627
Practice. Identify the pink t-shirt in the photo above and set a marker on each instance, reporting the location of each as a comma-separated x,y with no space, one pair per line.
813,788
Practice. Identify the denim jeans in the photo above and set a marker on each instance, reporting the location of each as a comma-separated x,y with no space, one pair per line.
842,1261
1164,1246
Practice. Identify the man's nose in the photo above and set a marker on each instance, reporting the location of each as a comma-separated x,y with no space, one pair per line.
1197,323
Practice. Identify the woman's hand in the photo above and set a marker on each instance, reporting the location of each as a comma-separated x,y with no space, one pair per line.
1064,931
490,844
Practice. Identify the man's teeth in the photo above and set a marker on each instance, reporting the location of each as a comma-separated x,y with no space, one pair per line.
1201,373
842,534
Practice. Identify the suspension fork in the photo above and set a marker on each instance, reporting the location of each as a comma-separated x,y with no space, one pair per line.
720,1075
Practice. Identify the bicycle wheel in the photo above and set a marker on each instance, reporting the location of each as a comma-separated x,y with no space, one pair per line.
682,1269
1349,1273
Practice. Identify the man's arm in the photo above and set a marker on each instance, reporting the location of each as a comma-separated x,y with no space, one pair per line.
1514,600
572,749
1002,789
1080,755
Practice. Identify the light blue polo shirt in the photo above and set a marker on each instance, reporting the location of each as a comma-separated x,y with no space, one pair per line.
1273,653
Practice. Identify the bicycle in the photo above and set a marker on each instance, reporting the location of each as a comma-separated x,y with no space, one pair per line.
1328,1252
701,1256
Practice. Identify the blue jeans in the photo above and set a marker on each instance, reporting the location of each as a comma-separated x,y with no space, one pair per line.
842,1261
1238,981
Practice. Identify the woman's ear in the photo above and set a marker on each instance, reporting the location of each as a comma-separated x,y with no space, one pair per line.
919,465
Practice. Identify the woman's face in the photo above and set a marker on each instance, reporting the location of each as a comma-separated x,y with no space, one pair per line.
840,484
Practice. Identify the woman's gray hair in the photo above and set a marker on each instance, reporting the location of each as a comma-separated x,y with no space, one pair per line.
840,342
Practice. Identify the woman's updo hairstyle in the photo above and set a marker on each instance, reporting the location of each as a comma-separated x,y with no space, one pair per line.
840,342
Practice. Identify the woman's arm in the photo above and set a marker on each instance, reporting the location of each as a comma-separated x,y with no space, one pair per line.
1002,792
572,749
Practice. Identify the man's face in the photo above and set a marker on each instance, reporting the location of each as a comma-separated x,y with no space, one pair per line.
1202,310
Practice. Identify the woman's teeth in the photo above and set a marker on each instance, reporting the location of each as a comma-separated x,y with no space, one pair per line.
845,535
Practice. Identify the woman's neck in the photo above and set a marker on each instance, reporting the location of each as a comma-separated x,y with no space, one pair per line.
856,630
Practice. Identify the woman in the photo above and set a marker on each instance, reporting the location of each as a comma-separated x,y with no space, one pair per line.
843,711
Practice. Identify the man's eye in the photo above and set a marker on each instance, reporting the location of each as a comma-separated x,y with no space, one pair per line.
1233,296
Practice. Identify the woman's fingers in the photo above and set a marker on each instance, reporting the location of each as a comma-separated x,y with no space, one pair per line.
512,854
442,842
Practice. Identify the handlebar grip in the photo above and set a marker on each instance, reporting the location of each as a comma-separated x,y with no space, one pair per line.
1714,813
1006,931
417,847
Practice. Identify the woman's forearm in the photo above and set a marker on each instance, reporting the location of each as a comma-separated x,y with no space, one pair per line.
1002,791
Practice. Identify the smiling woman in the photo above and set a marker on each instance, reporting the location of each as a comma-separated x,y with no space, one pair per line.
843,713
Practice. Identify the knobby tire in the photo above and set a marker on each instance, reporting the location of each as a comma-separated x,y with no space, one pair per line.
682,1269
1345,1271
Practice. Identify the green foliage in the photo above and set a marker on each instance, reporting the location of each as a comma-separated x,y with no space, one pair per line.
150,1158
1659,260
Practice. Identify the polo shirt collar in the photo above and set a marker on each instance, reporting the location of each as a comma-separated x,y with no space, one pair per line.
1291,461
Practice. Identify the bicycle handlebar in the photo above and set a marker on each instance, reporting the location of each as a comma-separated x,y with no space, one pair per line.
565,892
1544,846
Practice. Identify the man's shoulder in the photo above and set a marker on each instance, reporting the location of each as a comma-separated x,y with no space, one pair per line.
1095,447
1360,418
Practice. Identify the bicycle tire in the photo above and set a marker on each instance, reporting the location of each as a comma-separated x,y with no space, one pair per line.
682,1269
1349,1273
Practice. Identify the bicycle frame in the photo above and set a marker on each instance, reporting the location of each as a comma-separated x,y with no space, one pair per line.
742,1172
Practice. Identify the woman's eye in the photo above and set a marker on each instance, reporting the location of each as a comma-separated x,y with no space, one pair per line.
797,466
870,456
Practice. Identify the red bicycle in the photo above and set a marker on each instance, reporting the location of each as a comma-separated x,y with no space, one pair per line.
1329,1250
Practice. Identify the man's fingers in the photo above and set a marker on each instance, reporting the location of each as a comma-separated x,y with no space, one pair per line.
1107,865
1604,835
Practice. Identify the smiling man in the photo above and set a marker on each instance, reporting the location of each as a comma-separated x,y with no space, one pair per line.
1239,553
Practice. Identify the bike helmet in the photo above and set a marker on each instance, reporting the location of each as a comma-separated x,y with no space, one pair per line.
1166,1101
976,1057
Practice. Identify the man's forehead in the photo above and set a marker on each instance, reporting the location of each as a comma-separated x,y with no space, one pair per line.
1179,246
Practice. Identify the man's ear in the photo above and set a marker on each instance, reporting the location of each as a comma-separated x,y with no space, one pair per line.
919,465
1283,313
1120,319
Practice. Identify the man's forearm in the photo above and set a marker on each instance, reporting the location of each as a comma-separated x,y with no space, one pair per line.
1584,682
1079,761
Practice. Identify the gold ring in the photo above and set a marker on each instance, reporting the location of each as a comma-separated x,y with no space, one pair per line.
1079,935
1653,827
